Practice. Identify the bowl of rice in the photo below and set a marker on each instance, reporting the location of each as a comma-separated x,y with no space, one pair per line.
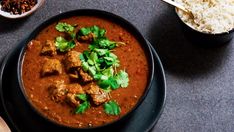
209,22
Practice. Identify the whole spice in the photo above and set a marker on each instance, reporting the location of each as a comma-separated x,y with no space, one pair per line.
17,6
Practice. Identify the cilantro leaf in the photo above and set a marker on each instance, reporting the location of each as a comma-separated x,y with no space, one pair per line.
67,28
92,70
109,72
109,83
112,108
83,97
63,45
92,47
95,30
64,27
86,54
102,32
73,35
84,31
104,84
82,107
97,76
82,57
113,83
98,32
100,77
101,52
93,56
90,62
108,90
115,60
122,79
104,43
85,66
111,60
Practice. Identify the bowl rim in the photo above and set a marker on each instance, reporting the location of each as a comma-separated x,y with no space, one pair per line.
88,12
205,33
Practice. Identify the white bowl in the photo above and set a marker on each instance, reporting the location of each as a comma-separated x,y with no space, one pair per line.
12,16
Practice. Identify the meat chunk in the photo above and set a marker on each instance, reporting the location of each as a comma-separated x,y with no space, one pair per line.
49,48
72,100
58,91
85,76
98,95
72,60
33,44
88,38
73,91
51,67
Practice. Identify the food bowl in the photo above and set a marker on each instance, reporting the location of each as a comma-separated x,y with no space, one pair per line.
94,13
202,38
25,14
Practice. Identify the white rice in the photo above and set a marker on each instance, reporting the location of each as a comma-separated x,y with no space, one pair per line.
209,16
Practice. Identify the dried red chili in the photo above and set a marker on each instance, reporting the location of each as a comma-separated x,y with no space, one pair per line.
17,6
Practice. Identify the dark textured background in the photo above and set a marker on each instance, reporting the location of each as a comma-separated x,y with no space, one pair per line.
200,87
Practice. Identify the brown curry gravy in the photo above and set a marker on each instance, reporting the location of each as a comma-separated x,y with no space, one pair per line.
132,59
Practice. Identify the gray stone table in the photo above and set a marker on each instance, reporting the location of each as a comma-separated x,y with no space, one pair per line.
200,87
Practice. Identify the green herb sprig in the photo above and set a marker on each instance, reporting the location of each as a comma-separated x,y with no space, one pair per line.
100,62
83,106
112,108
61,43
98,32
64,45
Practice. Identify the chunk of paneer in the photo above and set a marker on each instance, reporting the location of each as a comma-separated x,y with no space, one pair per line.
88,38
58,91
73,91
72,60
98,95
85,76
49,48
51,67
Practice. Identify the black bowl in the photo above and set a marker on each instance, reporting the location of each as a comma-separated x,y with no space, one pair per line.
89,12
205,39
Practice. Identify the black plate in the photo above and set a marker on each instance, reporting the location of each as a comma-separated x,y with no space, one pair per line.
20,116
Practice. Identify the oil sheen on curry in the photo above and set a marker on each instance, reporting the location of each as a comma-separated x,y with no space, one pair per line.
84,71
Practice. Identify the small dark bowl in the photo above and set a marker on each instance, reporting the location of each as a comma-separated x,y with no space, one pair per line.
205,39
89,12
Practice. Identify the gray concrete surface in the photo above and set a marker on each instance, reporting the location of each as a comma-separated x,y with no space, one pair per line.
200,87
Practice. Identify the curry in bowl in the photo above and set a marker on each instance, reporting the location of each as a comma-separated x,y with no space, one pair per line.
85,71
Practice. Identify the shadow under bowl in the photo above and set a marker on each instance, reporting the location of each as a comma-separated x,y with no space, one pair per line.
205,39
98,13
